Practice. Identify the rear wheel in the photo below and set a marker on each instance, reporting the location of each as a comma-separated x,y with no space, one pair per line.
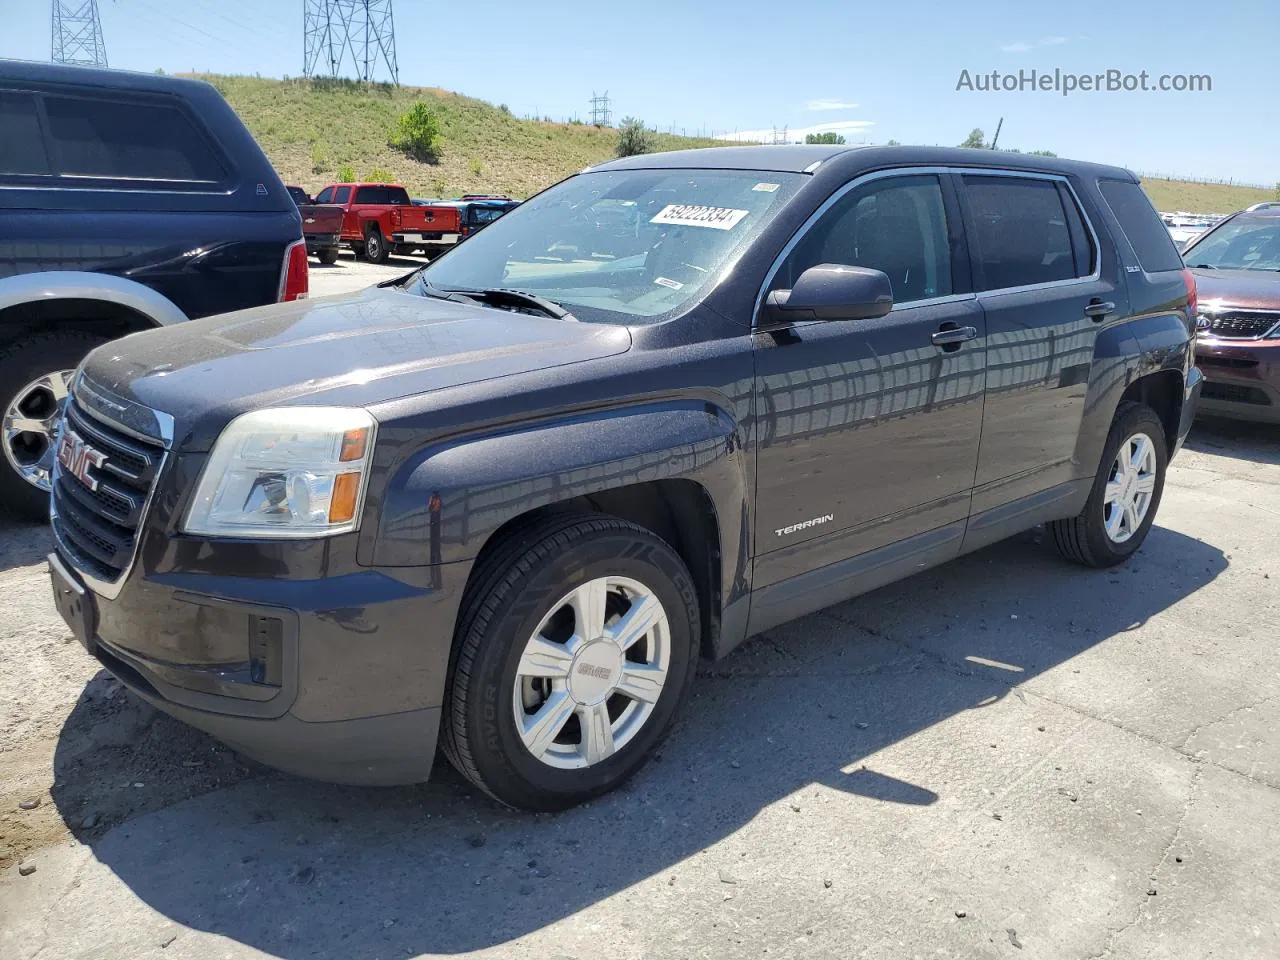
34,375
576,647
328,255
375,247
1126,492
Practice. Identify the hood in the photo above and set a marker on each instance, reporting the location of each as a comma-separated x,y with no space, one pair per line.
357,349
1246,289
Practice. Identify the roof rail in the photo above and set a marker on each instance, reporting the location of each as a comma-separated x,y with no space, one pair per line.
1264,205
482,196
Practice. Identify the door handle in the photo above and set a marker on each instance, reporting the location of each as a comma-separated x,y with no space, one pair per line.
950,336
1098,309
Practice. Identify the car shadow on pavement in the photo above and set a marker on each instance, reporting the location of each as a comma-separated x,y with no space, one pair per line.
1259,442
23,544
299,869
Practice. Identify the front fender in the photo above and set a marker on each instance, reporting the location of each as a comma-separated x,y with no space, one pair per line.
443,503
80,285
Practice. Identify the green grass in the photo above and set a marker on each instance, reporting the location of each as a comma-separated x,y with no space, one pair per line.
311,129
483,149
1170,195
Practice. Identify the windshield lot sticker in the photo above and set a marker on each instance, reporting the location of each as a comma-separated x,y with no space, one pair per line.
765,187
693,215
673,284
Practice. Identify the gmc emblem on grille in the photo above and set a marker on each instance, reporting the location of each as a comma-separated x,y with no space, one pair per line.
77,457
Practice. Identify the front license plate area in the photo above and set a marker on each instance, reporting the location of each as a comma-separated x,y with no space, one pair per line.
75,604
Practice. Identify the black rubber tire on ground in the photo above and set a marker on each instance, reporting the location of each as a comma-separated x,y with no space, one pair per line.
376,249
1083,538
22,362
329,255
503,604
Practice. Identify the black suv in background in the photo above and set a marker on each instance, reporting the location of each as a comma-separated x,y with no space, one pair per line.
127,202
668,403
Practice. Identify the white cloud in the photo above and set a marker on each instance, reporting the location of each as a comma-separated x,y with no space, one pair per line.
1026,46
799,133
829,103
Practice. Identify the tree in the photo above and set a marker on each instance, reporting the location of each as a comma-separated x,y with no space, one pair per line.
416,133
346,173
829,137
633,138
894,143
975,140
1042,153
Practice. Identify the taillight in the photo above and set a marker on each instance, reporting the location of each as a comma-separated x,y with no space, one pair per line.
1193,302
294,284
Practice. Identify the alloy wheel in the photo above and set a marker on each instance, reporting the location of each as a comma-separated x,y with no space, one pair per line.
592,672
30,425
1130,487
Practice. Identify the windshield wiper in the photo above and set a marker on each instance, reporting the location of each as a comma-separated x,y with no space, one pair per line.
1202,266
500,297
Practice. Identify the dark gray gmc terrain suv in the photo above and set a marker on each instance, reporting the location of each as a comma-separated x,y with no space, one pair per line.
673,401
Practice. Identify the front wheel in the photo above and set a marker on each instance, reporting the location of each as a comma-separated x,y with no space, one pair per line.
1126,492
576,647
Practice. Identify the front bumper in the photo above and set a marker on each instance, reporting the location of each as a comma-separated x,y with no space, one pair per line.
1242,378
335,678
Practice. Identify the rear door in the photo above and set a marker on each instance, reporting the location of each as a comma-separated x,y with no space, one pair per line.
1036,266
869,429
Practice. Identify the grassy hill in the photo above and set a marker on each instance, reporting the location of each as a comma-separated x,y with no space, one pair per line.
310,129
1169,195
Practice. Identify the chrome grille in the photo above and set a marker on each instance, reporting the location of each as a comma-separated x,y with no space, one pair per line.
98,528
1242,324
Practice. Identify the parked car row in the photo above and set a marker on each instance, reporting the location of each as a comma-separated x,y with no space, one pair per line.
378,220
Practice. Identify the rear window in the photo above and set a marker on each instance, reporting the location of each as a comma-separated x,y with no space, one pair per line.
1021,234
21,146
123,140
1141,224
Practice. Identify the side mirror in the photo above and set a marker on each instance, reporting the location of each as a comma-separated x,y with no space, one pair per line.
831,291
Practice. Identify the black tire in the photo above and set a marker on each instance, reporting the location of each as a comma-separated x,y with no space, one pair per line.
329,255
1084,538
22,362
508,596
375,247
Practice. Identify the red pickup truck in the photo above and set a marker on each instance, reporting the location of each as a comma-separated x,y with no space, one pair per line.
321,225
377,218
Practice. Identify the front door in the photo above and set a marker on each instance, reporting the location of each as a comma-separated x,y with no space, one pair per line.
868,429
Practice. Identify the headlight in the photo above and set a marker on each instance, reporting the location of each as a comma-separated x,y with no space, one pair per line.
285,472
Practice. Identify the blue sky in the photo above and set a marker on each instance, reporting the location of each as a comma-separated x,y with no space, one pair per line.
875,71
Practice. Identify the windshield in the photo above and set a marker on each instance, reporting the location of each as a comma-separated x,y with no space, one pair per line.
1245,243
619,246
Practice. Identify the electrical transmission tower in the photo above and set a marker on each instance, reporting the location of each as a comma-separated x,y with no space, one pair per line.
77,33
600,112
359,32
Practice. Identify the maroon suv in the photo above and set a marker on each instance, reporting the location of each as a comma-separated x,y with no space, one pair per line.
1237,269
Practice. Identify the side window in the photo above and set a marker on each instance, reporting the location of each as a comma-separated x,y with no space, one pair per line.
21,145
128,141
325,195
343,195
1141,224
371,195
1020,233
897,225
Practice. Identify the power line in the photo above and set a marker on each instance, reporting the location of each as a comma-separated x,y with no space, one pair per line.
600,112
77,33
361,32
